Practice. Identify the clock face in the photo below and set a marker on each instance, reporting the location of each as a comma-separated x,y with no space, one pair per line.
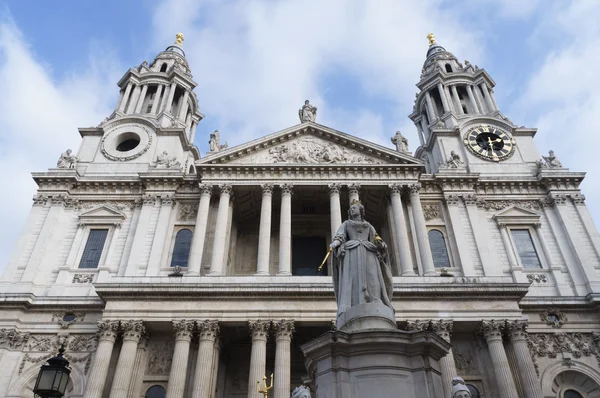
489,143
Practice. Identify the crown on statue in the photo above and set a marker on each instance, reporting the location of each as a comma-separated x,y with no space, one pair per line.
355,202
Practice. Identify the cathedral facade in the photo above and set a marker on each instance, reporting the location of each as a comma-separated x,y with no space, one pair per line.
167,273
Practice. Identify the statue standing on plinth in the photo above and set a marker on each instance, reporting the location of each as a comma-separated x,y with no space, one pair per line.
361,266
307,113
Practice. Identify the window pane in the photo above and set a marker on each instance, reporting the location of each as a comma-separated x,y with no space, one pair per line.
525,248
572,394
438,249
93,248
181,250
156,392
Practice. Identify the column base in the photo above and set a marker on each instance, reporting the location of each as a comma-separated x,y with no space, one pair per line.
409,273
431,273
214,273
192,273
262,273
284,273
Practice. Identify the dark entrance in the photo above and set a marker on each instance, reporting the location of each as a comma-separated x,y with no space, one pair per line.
307,254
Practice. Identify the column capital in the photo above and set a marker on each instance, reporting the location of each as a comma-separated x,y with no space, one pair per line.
286,189
578,199
108,330
395,189
226,189
517,330
205,189
418,325
133,330
259,330
442,328
183,329
452,199
208,330
334,188
354,188
284,329
167,200
492,330
414,188
267,188
470,199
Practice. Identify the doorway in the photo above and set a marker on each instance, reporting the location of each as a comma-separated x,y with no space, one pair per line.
307,254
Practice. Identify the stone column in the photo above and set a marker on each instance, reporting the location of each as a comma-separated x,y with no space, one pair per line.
472,100
443,97
169,103
492,331
160,235
493,99
479,99
125,97
425,129
444,329
193,131
486,97
216,263
132,333
285,231
108,331
264,230
120,100
530,384
133,101
164,98
259,330
335,209
283,338
457,103
199,237
420,131
208,332
421,231
183,106
449,98
401,230
183,336
431,107
141,98
353,192
139,368
156,100
215,366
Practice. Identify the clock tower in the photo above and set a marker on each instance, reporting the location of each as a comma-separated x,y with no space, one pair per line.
460,125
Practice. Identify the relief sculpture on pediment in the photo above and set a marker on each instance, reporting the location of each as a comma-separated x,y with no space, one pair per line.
312,150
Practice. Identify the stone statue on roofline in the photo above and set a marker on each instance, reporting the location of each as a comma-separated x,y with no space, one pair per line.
215,142
307,113
549,162
66,160
401,142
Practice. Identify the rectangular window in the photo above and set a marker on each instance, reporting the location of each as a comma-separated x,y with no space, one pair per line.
93,248
525,248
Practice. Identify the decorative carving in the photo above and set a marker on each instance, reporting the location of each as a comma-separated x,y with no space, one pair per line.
267,188
117,156
67,161
161,356
177,271
205,189
149,199
29,358
537,278
576,344
183,329
214,142
301,392
133,330
187,212
284,329
464,361
549,162
401,142
12,339
259,329
452,199
208,330
553,317
307,113
454,162
108,330
438,125
395,189
517,330
470,199
110,203
164,161
459,388
83,278
442,328
43,342
67,318
414,189
578,199
334,188
494,205
83,342
419,325
492,330
312,150
226,189
354,189
40,200
431,212
557,199
286,189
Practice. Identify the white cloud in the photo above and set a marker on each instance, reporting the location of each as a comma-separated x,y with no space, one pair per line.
39,116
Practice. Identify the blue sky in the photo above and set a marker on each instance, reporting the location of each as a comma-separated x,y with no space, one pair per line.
255,61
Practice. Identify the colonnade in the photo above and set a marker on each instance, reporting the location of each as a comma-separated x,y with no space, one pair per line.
225,191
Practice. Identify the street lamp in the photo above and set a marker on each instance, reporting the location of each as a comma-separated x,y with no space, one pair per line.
53,377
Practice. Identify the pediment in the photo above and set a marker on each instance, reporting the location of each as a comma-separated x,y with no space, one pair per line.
309,143
517,215
102,215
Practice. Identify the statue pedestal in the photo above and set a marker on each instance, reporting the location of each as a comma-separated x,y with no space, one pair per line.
374,315
382,363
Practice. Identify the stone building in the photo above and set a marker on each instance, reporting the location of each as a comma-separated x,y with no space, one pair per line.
168,273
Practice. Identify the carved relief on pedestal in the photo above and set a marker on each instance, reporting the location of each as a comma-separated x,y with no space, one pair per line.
187,212
431,212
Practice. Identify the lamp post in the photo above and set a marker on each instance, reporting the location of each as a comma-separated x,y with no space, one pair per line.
53,377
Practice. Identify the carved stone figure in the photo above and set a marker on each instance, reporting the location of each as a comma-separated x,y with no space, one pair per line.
460,389
66,160
164,161
361,266
307,113
550,161
301,392
215,142
310,150
454,162
400,141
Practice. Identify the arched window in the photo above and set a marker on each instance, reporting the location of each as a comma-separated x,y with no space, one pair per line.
448,68
181,249
192,170
437,242
572,394
163,67
474,391
156,392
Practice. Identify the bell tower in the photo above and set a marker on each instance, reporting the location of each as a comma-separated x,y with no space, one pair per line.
459,123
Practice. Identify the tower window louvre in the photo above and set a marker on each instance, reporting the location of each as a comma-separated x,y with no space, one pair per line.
181,250
163,67
448,68
437,243
93,248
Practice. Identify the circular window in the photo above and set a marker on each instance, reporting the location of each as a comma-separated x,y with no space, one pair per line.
551,317
127,142
69,317
572,394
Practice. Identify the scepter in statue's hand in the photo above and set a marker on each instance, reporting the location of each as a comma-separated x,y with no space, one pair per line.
332,246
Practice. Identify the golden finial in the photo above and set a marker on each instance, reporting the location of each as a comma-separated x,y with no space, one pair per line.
179,39
266,388
431,38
